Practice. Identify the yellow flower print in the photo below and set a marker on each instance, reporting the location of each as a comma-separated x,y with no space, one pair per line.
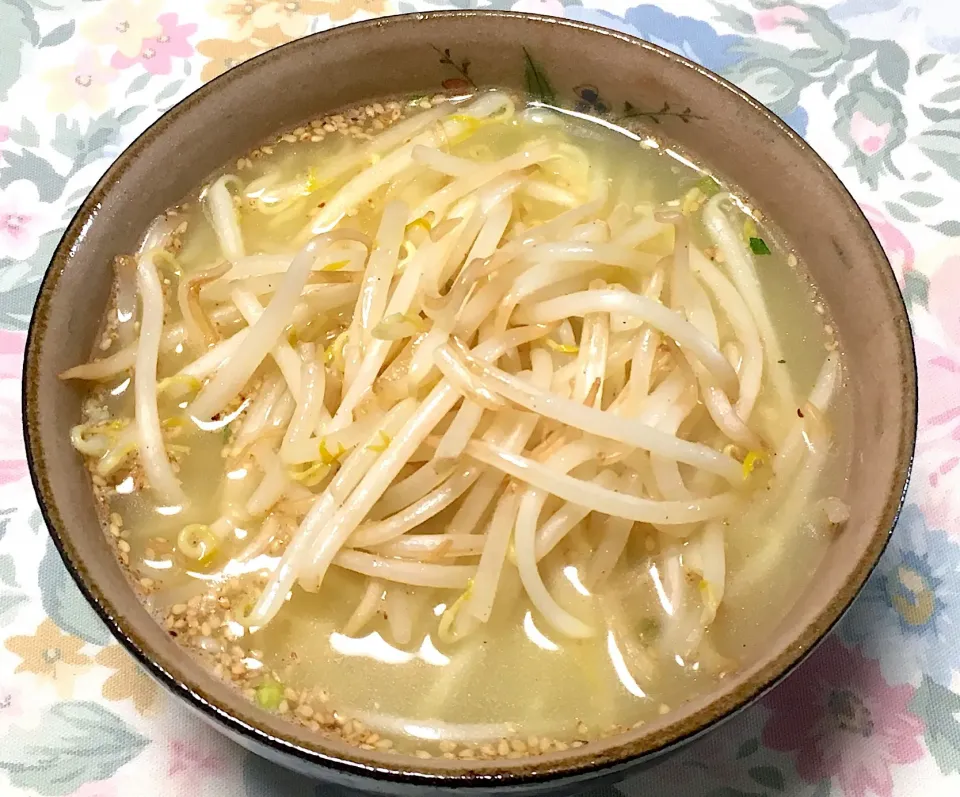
249,17
83,82
239,14
128,680
50,653
344,9
225,53
124,24
293,18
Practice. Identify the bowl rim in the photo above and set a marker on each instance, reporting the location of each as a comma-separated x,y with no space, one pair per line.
615,755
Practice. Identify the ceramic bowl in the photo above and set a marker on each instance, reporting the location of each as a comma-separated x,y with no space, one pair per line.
566,63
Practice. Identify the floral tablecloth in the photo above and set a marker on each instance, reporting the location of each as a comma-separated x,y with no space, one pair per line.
875,711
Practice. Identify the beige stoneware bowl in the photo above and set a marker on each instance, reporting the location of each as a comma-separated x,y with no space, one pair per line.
745,144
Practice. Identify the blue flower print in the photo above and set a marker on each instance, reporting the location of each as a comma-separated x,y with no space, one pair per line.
925,19
908,615
797,119
686,36
689,37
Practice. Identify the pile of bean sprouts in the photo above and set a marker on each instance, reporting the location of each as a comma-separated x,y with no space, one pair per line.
526,377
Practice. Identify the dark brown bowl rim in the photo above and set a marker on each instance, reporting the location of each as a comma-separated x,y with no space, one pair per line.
615,756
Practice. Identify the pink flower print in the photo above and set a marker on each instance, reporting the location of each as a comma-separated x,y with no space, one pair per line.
157,52
553,8
12,703
943,292
868,135
123,25
100,788
190,760
841,719
11,353
23,218
773,18
13,459
895,243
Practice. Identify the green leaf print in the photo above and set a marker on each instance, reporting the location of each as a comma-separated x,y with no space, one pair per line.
740,21
748,748
941,144
74,743
921,199
10,601
138,83
85,146
169,91
27,135
771,777
59,35
28,166
64,604
927,62
899,212
893,65
871,123
17,26
949,95
823,789
939,708
8,571
951,228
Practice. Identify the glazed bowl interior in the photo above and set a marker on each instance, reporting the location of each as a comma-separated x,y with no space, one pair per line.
743,143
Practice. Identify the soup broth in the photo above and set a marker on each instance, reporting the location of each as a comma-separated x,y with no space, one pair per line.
362,405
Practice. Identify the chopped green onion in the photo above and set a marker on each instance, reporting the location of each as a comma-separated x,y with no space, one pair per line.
759,247
270,695
708,186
